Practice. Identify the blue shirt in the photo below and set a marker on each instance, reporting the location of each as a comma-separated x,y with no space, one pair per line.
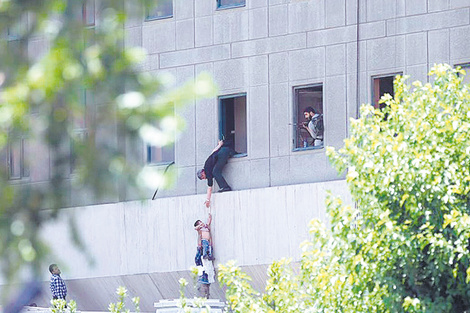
58,288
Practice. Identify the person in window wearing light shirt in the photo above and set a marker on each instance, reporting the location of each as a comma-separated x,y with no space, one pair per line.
314,124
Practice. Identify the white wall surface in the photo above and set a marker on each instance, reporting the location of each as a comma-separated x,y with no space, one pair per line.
148,246
253,226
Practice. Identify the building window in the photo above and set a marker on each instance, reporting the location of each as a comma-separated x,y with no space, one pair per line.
308,117
13,33
157,154
17,45
88,13
79,138
225,4
380,86
159,9
232,122
17,165
80,126
160,155
17,30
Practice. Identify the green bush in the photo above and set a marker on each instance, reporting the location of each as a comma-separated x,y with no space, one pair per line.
404,246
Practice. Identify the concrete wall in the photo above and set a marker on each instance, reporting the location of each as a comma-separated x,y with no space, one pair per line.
266,48
149,245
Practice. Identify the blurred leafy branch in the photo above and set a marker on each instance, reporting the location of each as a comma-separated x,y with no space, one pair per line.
61,306
41,100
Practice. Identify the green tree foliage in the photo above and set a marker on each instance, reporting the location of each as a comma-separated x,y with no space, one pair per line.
120,306
41,101
61,306
404,247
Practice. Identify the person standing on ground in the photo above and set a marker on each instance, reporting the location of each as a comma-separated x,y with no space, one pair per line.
213,169
58,288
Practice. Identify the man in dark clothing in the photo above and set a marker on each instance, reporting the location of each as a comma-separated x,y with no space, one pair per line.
213,169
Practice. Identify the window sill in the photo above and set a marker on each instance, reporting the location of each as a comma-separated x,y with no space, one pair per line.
160,164
19,180
309,148
240,155
150,19
228,7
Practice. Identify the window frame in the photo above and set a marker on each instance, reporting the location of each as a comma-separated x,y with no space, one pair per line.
24,171
85,15
220,120
80,130
296,114
79,134
372,83
147,155
230,6
147,149
149,18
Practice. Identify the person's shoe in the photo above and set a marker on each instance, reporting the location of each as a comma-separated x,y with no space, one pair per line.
225,189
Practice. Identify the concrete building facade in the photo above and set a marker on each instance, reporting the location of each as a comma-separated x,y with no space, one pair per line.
274,58
265,50
270,59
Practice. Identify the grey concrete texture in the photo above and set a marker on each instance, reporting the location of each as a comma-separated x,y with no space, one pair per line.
265,49
278,20
426,22
184,9
147,246
158,236
258,122
230,26
335,13
258,21
203,31
306,15
185,34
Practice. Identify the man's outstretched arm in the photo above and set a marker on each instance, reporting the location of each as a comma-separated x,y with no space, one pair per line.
208,197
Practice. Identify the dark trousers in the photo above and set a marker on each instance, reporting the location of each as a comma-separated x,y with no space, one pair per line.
55,298
222,157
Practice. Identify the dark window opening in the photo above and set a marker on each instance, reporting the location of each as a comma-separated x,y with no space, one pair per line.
88,13
79,138
160,155
225,4
159,9
17,165
308,117
381,86
80,121
232,122
18,30
17,45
